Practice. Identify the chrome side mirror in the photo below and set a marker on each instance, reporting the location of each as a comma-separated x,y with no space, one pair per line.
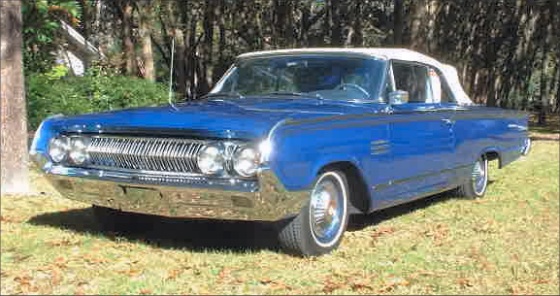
398,97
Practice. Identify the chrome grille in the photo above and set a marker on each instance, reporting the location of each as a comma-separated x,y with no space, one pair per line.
150,154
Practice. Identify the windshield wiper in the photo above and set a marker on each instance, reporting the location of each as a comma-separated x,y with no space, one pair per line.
293,94
222,94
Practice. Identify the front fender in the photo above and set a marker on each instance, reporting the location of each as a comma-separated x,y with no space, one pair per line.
300,153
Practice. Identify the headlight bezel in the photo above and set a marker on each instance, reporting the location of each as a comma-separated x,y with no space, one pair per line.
81,151
219,153
246,154
63,143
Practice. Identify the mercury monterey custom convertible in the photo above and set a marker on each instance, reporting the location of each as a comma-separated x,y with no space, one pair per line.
303,136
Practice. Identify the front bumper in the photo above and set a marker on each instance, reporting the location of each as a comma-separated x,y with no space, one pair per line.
188,196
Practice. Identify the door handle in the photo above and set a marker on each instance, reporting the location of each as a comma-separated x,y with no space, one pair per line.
448,121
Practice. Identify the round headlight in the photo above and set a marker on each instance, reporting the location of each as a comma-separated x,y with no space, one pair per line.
58,148
210,160
78,152
246,162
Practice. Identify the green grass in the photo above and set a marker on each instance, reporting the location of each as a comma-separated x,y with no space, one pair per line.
506,243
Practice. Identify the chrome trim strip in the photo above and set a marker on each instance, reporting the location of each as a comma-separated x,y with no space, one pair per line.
459,114
156,178
382,186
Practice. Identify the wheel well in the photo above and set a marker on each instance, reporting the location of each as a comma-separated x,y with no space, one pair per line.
359,196
493,155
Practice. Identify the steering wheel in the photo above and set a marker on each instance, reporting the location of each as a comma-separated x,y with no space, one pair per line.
355,86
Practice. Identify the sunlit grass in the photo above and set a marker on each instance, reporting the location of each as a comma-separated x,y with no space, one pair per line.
506,243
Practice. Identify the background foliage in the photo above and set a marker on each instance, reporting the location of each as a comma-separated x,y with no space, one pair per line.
54,93
506,51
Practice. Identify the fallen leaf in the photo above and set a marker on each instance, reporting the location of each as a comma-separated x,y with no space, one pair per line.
23,280
224,272
275,284
20,258
174,273
145,292
130,272
79,291
93,259
360,285
60,262
542,281
392,283
330,286
9,219
56,276
464,282
63,242
382,230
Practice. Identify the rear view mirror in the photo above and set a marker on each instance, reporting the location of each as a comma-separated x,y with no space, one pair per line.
398,97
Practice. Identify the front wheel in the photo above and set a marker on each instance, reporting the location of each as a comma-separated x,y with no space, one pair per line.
319,227
475,186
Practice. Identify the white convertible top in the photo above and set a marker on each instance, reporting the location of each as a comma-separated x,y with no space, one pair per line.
403,54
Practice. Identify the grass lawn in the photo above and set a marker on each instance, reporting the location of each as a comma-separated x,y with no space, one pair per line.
506,243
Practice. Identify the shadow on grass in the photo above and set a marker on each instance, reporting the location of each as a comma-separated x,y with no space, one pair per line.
207,234
173,233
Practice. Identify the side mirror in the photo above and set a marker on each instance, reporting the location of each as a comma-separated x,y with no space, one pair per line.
398,97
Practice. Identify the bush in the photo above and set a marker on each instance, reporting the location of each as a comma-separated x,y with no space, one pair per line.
49,94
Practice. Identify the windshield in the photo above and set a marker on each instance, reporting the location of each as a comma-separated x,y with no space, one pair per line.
328,77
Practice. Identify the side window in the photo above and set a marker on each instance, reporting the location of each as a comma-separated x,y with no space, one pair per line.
441,93
413,79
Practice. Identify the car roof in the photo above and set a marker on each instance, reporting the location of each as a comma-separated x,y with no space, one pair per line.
384,53
378,52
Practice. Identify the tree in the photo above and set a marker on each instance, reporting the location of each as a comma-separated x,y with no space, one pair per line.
505,50
41,34
13,139
146,19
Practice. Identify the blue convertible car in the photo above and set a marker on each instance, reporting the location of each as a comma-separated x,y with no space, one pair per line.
302,136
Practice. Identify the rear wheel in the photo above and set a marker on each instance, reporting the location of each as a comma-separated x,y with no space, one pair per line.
475,186
526,147
319,227
122,222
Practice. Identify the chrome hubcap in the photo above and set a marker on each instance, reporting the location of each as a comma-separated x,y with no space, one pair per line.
479,177
327,209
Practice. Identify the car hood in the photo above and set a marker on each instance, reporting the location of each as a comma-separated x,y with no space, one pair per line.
230,118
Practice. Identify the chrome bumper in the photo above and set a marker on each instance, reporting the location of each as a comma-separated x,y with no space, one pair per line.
174,195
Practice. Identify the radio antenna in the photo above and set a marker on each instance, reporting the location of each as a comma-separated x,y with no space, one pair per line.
170,98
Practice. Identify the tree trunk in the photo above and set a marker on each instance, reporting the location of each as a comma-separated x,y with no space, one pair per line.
86,22
432,10
358,38
398,22
145,35
13,140
418,18
180,62
558,94
130,57
221,67
335,22
205,75
543,95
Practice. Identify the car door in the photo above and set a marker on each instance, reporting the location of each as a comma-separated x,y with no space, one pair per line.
452,112
421,138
